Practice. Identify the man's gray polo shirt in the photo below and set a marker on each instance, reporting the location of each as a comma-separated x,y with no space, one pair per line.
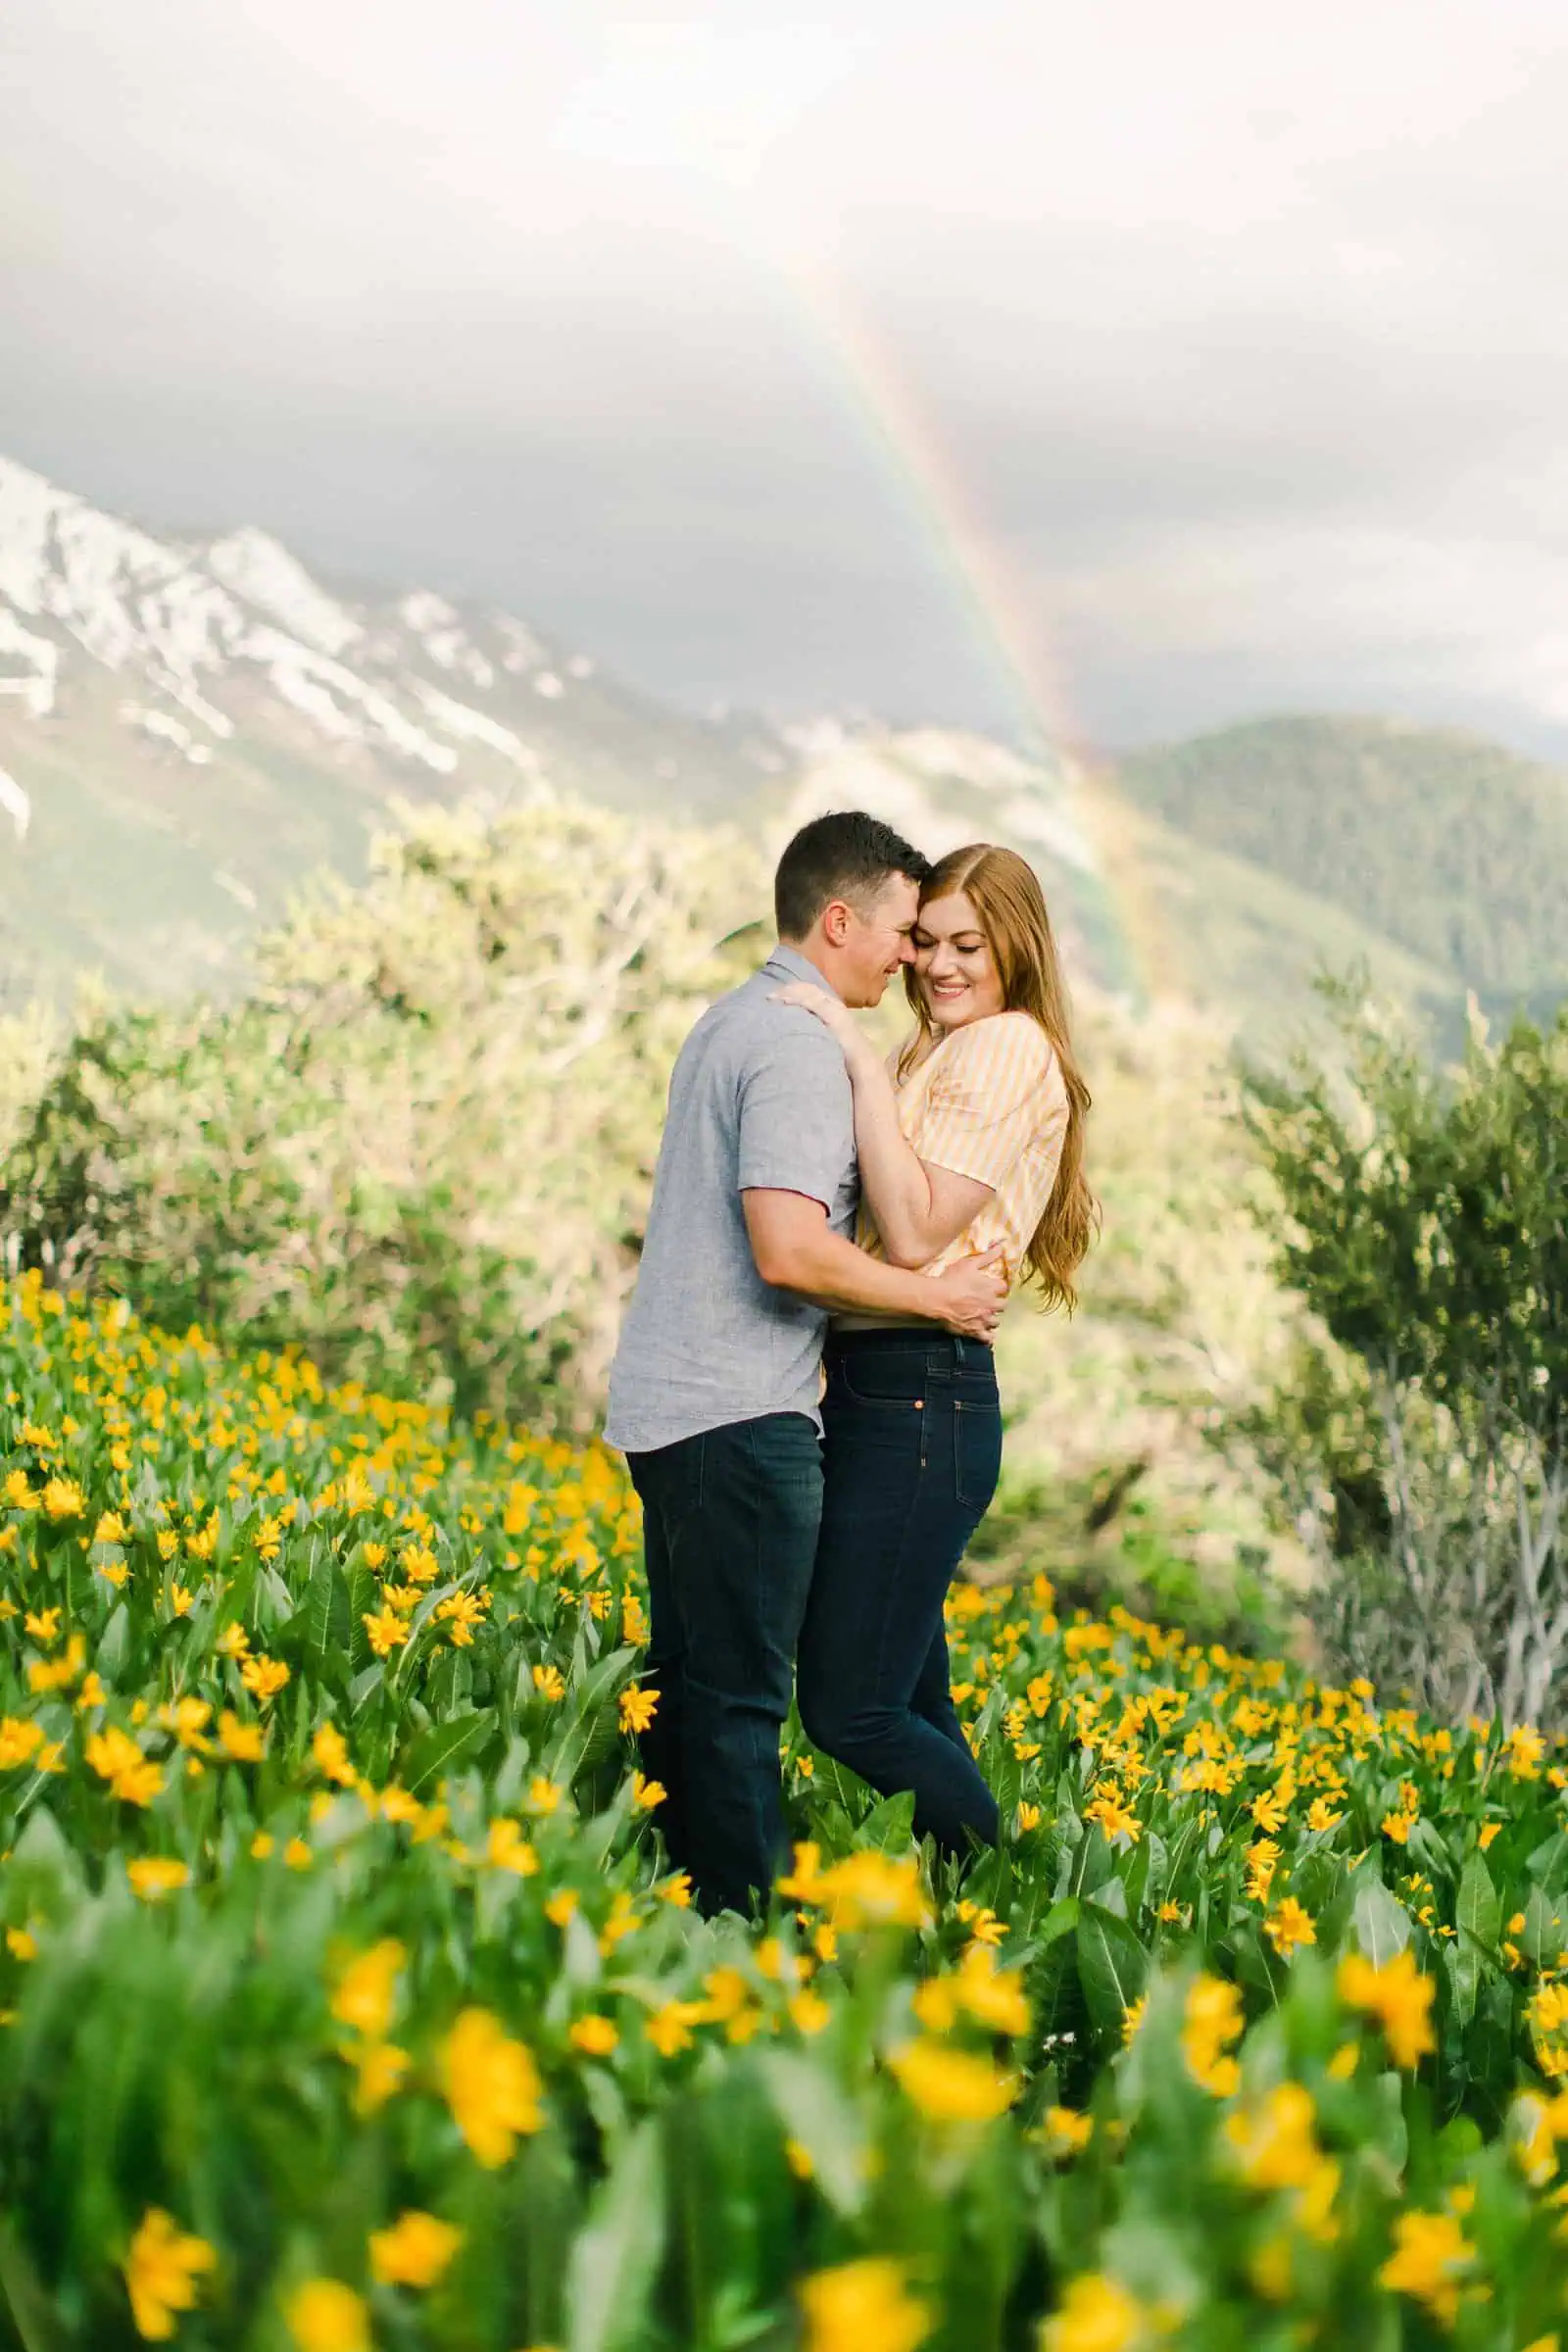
759,1100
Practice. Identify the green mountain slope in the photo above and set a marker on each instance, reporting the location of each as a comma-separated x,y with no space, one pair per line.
1442,844
1244,945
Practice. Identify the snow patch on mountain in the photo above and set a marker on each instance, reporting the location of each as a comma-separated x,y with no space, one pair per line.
16,804
41,658
476,727
162,727
443,639
259,568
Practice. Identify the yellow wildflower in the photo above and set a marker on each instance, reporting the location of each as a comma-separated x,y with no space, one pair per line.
951,2085
325,2315
19,1741
1429,2261
1399,1996
366,1991
871,1889
492,2085
153,1875
862,2307
638,1707
414,2251
507,1849
1098,2314
242,1743
329,1754
1289,1927
1066,2132
263,1677
669,2028
1213,2021
161,2268
382,2067
386,1630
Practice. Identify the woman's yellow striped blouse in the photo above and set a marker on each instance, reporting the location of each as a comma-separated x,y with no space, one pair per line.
988,1102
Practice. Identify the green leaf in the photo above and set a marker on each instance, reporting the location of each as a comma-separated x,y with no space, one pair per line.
114,1645
589,1729
890,1825
27,2303
1111,1965
1542,1938
365,1596
1382,1925
615,2258
816,2110
1478,1915
319,1637
1550,1861
436,1750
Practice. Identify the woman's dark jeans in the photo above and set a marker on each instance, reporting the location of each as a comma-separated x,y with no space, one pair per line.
912,1447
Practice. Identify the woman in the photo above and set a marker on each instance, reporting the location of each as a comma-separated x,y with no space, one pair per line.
972,1136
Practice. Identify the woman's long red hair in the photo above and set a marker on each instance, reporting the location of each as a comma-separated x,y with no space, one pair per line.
1006,894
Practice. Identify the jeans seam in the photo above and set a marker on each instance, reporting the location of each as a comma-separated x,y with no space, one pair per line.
891,1596
759,1823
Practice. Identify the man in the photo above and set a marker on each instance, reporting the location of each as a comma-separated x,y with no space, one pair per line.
714,1391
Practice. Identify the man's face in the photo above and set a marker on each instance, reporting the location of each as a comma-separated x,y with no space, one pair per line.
878,941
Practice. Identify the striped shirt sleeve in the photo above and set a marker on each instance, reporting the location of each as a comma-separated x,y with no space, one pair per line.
988,1091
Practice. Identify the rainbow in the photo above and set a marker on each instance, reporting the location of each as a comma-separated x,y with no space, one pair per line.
896,430
1002,626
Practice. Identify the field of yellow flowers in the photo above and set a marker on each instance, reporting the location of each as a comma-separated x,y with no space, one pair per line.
345,2003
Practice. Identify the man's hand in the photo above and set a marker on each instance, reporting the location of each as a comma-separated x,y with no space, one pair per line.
974,1293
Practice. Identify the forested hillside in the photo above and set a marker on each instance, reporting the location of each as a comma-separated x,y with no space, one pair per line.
1444,846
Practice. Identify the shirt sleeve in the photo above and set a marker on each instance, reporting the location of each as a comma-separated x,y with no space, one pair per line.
797,1117
987,1096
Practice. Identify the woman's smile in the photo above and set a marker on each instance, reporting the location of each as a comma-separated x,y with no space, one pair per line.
954,962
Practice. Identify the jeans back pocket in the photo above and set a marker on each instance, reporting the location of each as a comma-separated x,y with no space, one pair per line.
976,1452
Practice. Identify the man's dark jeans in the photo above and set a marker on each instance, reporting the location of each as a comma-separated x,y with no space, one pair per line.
730,1524
912,1431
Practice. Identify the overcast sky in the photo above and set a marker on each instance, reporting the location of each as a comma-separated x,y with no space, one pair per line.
1230,335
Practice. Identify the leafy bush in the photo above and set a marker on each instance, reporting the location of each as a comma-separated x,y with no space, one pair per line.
1424,1220
421,1148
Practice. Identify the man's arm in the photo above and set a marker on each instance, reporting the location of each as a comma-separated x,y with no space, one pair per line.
796,1250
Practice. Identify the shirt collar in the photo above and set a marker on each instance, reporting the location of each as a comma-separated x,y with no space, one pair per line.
789,963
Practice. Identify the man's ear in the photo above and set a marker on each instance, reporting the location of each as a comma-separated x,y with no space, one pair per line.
836,917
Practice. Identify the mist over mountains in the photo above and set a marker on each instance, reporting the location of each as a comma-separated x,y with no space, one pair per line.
191,727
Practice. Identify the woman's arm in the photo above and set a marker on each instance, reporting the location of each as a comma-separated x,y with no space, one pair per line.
917,1209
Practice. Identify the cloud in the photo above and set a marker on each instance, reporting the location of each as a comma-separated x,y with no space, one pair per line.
1235,329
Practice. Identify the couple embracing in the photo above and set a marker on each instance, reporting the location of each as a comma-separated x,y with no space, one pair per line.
819,1211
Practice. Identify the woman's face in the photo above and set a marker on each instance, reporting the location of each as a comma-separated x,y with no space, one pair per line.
954,969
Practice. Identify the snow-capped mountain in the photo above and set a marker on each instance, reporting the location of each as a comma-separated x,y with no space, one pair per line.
187,728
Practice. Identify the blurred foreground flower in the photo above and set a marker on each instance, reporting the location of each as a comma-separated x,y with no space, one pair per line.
862,2307
162,2268
492,2085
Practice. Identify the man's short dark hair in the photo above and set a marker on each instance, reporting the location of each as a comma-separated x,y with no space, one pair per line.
845,855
